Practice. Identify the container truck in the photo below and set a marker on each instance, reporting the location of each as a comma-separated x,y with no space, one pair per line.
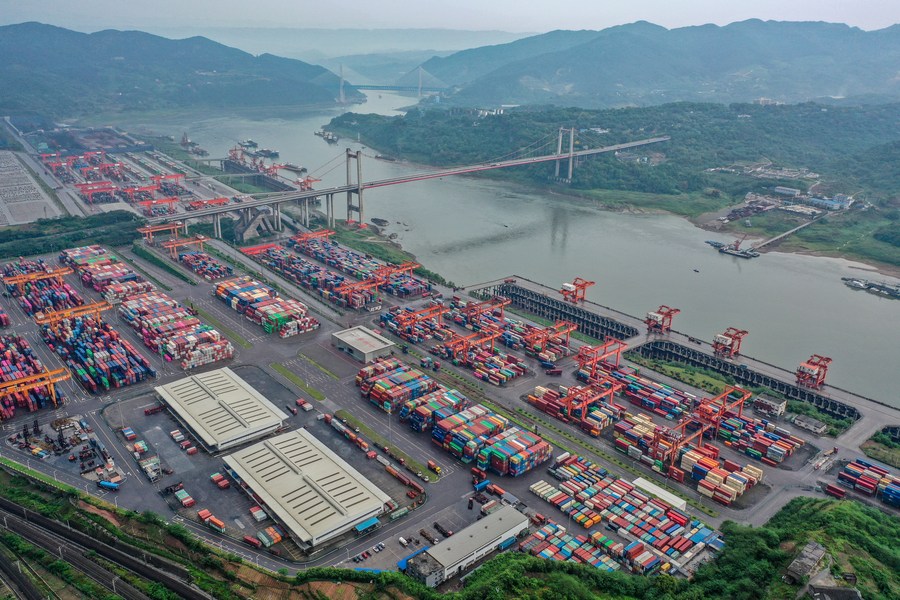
434,467
108,485
482,485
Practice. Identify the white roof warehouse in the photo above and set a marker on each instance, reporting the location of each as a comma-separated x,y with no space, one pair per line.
306,486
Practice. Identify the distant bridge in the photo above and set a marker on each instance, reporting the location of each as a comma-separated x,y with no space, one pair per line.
402,88
275,200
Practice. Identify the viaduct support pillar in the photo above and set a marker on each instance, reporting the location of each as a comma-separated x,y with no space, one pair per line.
571,152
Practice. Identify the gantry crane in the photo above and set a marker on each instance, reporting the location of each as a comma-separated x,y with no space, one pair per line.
47,379
302,238
728,344
46,157
575,292
149,230
581,398
668,441
158,179
21,280
539,338
461,346
407,319
304,184
713,410
661,320
148,205
473,310
812,373
131,191
590,357
260,249
54,318
173,245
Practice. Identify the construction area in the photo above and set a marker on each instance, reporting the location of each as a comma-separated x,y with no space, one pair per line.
300,401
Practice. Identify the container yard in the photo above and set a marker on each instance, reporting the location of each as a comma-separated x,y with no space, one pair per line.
171,331
869,479
18,362
388,383
205,266
38,287
95,353
260,303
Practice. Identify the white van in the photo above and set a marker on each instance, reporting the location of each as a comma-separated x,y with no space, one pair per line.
404,542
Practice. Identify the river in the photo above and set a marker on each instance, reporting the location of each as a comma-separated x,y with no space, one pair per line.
474,230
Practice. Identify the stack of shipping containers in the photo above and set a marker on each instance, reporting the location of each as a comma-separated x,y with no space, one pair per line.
205,266
40,296
17,360
261,304
872,480
513,452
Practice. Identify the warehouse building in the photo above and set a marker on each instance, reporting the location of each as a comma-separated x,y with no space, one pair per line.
464,548
307,487
221,409
362,343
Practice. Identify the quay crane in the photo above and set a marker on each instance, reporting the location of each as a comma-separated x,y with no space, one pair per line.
590,357
661,320
728,344
812,373
575,292
21,280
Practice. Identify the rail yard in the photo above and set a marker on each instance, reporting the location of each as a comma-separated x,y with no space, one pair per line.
484,397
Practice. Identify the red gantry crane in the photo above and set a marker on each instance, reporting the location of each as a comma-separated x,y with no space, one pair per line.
379,277
149,230
812,373
149,205
21,280
668,441
460,346
575,292
173,245
473,310
728,344
661,320
713,410
558,332
590,357
54,318
302,238
581,398
407,319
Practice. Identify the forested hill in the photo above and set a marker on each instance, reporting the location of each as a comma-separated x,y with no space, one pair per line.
644,64
62,73
848,145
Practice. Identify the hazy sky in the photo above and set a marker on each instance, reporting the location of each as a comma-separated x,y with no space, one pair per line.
506,15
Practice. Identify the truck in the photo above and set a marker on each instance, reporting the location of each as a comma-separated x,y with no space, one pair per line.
482,485
108,485
555,372
154,409
434,467
252,541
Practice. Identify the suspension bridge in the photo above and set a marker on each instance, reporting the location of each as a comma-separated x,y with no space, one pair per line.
355,188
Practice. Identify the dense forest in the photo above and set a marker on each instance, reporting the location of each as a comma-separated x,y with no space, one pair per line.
114,228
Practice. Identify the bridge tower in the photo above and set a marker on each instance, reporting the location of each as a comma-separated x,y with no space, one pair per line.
359,209
559,151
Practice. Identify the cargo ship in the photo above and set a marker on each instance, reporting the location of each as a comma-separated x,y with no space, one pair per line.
294,168
267,153
248,143
329,137
734,248
873,287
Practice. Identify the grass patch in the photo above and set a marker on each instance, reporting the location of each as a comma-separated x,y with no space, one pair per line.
849,235
295,379
381,442
768,224
703,379
229,333
162,264
46,479
318,366
882,447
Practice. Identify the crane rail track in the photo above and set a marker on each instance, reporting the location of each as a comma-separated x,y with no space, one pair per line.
153,568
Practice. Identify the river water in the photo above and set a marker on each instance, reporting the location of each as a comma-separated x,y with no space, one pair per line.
474,230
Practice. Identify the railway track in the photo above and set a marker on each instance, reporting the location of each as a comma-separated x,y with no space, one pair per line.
19,583
72,544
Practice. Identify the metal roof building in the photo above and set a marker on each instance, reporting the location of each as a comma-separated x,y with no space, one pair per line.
221,409
362,343
306,486
464,548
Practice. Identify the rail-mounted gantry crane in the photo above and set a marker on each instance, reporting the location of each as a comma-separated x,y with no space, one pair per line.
558,332
580,398
47,379
174,177
20,281
668,441
148,205
713,410
172,228
302,238
131,192
812,373
379,277
728,344
173,245
661,320
54,318
407,319
575,292
590,357
460,346
473,310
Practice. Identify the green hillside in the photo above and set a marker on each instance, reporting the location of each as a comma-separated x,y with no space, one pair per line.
60,73
644,64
